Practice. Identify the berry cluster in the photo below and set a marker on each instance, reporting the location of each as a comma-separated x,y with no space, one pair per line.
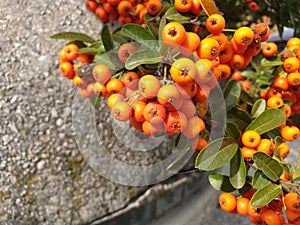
272,213
70,60
158,72
124,11
171,102
286,86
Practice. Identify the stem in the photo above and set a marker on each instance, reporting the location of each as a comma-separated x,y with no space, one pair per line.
290,187
229,30
133,98
165,75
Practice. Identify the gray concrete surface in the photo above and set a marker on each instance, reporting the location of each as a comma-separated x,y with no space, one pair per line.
43,176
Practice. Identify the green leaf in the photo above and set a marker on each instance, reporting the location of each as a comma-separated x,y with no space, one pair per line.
269,166
152,29
106,38
266,121
232,130
238,171
258,108
239,117
104,59
89,50
119,37
250,75
139,34
274,134
231,93
162,23
259,180
98,44
97,102
73,36
142,57
265,195
173,14
268,63
216,154
246,98
220,182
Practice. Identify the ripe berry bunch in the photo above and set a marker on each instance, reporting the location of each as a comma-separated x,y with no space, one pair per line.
283,206
124,11
286,85
159,73
70,60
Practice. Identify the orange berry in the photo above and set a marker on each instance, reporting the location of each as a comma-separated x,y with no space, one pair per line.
124,8
125,51
101,73
243,36
153,7
269,49
251,139
209,49
242,205
227,201
173,33
215,23
183,5
290,133
183,71
199,144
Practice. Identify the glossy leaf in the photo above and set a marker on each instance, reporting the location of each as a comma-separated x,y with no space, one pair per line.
119,37
98,44
106,38
266,121
116,61
220,182
142,57
153,30
163,22
248,74
246,98
104,59
268,63
232,130
73,36
238,171
232,93
97,102
137,32
216,154
89,50
258,108
265,195
273,134
269,166
239,117
173,14
259,180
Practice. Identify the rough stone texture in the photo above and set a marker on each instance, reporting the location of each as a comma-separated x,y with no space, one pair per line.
43,176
